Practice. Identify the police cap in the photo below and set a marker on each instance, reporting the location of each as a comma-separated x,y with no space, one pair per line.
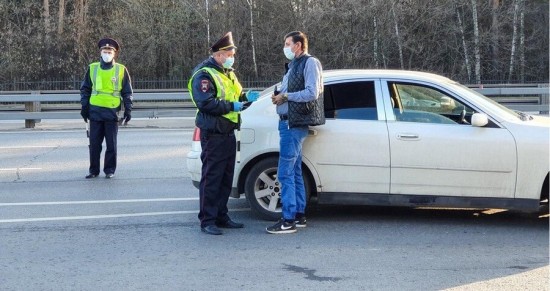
108,43
224,44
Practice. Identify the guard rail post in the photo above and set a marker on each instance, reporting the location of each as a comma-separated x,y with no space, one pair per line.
544,98
33,106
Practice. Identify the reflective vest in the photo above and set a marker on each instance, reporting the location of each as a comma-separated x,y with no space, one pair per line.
228,88
106,85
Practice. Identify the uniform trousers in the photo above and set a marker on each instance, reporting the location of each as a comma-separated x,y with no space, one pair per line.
100,130
218,165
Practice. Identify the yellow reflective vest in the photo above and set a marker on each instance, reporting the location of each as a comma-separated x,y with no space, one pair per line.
228,88
106,85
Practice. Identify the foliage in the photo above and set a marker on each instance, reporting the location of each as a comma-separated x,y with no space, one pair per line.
165,39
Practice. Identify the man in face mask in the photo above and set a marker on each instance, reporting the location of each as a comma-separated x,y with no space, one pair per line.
219,98
302,87
105,89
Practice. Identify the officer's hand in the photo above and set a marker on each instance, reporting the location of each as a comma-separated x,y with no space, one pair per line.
85,113
252,95
237,106
127,116
246,105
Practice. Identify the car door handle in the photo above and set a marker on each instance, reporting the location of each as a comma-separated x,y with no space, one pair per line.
407,136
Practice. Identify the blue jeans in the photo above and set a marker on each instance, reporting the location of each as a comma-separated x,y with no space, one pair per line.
289,172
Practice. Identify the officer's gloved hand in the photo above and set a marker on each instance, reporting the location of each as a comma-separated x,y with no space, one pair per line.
246,105
85,113
127,116
237,106
252,95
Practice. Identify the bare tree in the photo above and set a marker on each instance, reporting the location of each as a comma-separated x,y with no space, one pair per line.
396,26
61,17
464,46
514,36
250,8
476,43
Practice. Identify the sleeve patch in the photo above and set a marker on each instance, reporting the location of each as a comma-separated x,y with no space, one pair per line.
205,85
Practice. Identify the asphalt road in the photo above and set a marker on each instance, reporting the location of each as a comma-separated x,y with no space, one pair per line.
139,231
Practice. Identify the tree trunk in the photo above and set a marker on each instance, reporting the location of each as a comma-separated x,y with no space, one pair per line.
522,42
375,49
46,15
207,19
514,36
250,6
476,43
397,36
61,17
495,34
466,55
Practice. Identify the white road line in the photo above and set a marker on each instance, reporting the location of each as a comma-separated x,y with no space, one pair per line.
98,201
17,169
27,147
107,216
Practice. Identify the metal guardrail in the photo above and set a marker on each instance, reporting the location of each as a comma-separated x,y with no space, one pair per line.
528,99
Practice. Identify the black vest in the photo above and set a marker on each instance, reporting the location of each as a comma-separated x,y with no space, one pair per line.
303,113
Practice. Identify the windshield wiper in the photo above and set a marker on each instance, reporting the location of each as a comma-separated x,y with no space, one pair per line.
524,116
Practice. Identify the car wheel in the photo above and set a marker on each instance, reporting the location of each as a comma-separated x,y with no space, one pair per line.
263,189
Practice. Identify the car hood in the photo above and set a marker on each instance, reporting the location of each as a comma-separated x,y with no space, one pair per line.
538,120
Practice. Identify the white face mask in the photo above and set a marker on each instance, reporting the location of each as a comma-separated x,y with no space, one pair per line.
107,57
288,53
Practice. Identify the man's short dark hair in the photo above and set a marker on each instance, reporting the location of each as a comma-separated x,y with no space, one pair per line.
298,36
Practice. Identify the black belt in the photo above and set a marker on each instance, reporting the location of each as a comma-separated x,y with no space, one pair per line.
210,133
283,117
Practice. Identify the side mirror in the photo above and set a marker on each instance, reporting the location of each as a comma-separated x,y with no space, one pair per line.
479,119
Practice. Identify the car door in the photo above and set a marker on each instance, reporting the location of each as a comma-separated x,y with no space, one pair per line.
435,151
351,151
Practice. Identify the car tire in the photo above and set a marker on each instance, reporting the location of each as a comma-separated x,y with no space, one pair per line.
262,179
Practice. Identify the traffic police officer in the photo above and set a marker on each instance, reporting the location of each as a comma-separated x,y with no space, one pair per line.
217,93
105,89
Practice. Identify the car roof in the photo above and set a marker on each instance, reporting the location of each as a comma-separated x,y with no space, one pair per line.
334,75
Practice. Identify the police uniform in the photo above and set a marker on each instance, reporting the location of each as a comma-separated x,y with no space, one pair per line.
105,89
215,90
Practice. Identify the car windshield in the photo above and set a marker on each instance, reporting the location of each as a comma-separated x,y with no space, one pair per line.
501,108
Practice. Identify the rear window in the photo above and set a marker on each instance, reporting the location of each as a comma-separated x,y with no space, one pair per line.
351,100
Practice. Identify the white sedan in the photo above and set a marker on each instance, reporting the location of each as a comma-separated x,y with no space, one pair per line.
398,138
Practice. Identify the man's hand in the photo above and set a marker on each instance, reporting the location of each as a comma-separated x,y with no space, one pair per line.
85,113
279,99
127,116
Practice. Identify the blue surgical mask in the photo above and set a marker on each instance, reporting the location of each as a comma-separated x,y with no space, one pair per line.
228,62
288,53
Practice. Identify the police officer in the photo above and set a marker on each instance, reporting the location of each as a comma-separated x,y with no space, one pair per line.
105,89
218,96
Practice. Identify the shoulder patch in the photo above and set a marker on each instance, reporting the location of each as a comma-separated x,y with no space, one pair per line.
205,85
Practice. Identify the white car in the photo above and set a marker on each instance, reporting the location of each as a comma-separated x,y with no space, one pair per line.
398,138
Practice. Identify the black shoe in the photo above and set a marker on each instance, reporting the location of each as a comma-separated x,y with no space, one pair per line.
211,229
300,222
282,226
90,176
230,224
109,176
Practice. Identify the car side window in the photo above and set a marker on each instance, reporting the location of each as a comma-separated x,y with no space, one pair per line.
350,100
419,103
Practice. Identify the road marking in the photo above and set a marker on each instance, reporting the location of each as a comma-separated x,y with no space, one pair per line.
107,216
17,169
27,147
98,201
